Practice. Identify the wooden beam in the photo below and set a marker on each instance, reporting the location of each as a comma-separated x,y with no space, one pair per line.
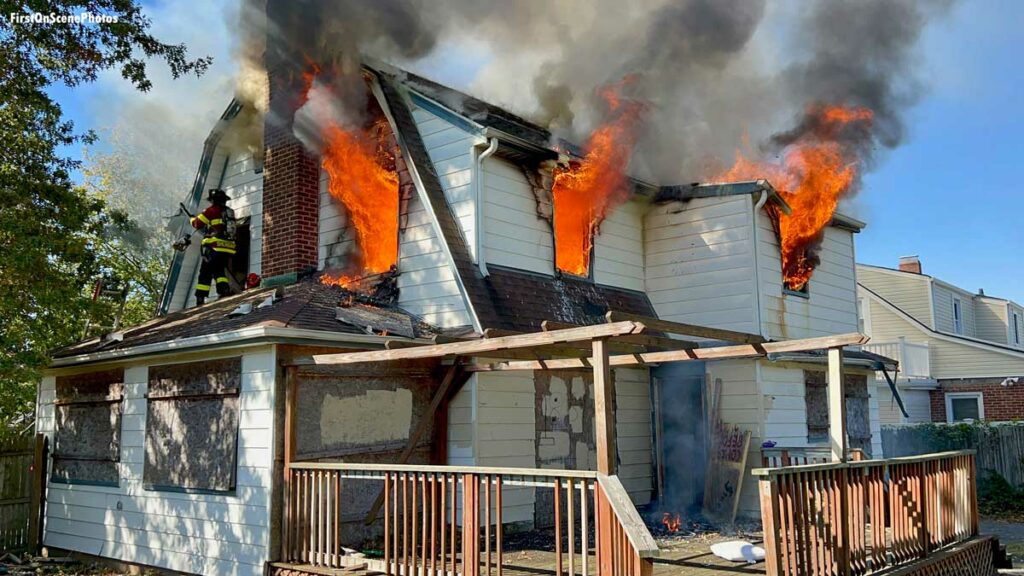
635,339
481,347
604,408
836,404
686,329
619,344
716,353
291,379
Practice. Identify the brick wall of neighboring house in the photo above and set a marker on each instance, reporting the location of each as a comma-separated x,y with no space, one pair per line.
1001,402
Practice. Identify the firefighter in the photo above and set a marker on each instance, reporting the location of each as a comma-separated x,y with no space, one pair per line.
218,246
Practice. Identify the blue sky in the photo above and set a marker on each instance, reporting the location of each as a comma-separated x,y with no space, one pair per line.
950,194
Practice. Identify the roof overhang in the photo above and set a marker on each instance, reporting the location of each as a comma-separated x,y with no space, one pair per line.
249,336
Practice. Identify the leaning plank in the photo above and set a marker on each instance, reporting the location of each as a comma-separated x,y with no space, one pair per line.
455,376
687,329
716,353
480,347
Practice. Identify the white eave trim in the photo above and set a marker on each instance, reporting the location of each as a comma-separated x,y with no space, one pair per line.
243,336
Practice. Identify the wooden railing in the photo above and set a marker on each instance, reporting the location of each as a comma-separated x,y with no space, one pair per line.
861,517
443,520
914,357
778,457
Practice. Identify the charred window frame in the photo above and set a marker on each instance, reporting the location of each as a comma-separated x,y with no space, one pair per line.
857,404
192,426
803,292
87,438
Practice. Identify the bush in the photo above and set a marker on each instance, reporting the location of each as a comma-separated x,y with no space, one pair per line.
997,497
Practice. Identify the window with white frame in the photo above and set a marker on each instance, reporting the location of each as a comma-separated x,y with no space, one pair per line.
863,316
964,406
1016,329
958,316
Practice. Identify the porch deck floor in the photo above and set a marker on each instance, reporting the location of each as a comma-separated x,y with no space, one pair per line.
679,557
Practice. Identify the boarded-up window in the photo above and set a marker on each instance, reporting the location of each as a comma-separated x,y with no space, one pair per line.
192,426
858,423
87,441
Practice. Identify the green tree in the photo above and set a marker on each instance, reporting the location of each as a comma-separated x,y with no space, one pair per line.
52,232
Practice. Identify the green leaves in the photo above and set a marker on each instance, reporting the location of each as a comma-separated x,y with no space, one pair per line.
57,238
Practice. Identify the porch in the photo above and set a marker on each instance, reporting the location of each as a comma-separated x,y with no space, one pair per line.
440,520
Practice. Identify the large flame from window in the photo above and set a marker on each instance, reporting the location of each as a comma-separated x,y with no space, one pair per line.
588,189
360,165
361,175
818,166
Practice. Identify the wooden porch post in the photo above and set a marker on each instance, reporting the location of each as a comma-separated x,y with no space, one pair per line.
836,404
604,408
291,378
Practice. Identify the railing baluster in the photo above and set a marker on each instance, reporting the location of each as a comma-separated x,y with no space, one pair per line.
570,488
387,523
584,528
558,526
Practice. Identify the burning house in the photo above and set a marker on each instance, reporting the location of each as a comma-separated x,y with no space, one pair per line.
440,218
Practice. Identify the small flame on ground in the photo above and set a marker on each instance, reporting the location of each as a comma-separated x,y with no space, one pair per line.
586,191
815,172
672,522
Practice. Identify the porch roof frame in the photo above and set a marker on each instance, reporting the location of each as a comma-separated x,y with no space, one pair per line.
568,342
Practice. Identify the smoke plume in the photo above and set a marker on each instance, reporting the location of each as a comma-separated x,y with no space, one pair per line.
713,71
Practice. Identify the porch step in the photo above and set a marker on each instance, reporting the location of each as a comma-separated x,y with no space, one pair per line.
289,569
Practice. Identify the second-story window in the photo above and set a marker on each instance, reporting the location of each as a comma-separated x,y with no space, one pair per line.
1016,329
958,316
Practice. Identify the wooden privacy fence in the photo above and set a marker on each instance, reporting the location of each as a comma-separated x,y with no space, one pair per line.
440,520
999,447
862,517
22,477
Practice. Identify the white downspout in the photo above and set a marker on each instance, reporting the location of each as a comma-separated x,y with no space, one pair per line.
478,193
761,201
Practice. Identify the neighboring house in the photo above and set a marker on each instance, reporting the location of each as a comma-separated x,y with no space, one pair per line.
168,436
961,354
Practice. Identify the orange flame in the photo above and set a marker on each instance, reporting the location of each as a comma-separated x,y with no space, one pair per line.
586,191
368,189
815,172
672,522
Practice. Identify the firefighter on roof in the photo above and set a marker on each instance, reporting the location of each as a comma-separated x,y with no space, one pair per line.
218,245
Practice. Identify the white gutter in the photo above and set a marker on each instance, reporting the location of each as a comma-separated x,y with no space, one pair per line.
478,193
243,336
761,201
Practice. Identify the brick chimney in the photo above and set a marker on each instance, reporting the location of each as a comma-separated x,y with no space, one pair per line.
910,264
291,178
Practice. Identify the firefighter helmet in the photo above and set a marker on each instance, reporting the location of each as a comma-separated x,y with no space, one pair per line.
217,194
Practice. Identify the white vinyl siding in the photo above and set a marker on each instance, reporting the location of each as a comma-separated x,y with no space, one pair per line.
619,248
699,265
906,291
633,432
990,320
944,297
741,405
450,150
514,235
830,306
426,283
917,402
245,187
194,533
